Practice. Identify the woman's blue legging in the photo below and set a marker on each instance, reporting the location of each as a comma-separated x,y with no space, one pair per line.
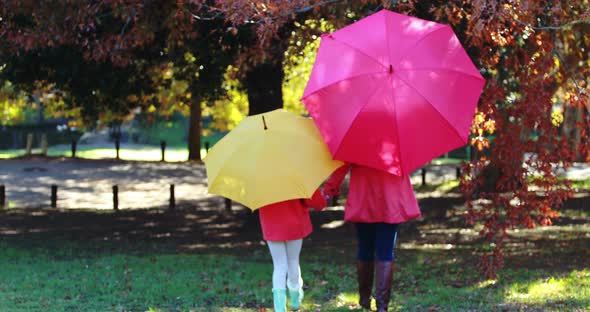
376,239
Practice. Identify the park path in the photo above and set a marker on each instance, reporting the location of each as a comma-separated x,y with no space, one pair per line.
88,183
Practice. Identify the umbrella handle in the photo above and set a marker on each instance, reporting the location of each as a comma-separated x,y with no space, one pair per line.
264,122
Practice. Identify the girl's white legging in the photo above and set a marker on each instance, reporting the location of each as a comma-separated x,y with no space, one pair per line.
285,260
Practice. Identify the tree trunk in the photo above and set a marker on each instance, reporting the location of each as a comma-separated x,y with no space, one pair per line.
194,129
572,118
264,84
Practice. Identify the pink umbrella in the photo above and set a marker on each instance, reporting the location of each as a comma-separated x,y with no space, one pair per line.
392,92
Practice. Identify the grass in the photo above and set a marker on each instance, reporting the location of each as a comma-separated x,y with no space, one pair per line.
63,273
446,161
145,153
62,281
70,278
581,184
175,151
440,188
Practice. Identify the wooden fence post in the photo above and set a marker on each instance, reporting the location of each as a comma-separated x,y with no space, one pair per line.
116,197
117,146
163,148
2,196
29,148
172,205
53,196
74,144
44,144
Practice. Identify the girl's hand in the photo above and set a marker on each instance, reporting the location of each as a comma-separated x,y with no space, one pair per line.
332,185
318,200
326,196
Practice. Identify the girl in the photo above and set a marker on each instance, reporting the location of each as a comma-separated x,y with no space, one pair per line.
284,225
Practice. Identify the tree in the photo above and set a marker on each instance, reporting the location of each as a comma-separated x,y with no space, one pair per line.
12,104
230,109
96,90
202,62
532,53
274,24
521,47
84,50
123,34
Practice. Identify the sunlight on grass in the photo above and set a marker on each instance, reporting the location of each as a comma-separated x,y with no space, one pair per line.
143,153
563,232
341,301
573,288
414,246
575,213
581,184
439,188
486,283
546,289
5,154
446,161
348,297
448,186
332,225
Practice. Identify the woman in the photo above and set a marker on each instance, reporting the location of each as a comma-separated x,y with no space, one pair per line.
284,225
377,202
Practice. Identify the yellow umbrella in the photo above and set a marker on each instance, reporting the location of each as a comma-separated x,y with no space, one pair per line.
268,158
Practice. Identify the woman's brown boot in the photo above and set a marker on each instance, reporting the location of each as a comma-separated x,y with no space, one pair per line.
365,271
383,277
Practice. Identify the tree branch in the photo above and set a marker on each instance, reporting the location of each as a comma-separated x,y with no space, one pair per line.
558,27
310,7
219,12
569,70
205,18
581,91
125,26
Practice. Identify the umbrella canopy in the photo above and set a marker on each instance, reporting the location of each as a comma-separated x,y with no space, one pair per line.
392,92
268,158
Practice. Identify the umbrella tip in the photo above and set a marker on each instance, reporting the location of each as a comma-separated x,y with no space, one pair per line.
390,68
264,123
